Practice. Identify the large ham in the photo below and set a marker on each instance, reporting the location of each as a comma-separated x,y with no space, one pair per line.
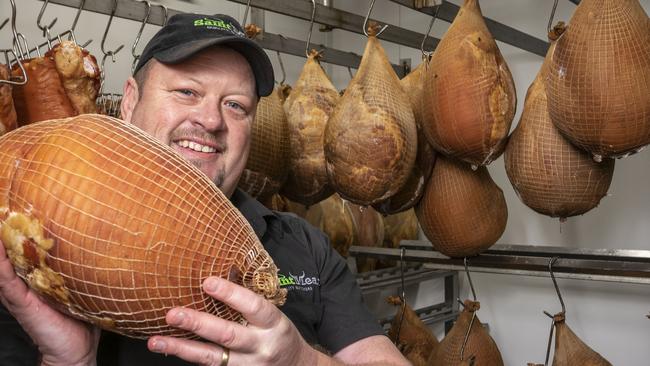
598,84
549,174
469,94
7,110
308,108
115,228
371,139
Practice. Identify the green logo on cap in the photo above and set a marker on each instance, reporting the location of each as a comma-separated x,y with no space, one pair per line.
215,23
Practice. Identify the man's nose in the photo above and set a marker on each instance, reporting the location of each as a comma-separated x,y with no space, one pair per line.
209,115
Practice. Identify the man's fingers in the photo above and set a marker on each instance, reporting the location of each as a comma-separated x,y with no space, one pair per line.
212,328
192,351
255,309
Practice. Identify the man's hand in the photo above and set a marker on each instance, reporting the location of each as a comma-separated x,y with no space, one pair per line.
269,338
60,339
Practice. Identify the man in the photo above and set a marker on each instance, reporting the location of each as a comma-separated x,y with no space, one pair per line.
196,89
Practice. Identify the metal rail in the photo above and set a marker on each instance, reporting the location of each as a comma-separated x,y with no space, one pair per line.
501,32
336,18
612,265
134,10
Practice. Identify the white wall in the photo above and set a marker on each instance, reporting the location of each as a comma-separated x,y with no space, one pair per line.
609,317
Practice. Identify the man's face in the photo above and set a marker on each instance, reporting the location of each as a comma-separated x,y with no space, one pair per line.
203,108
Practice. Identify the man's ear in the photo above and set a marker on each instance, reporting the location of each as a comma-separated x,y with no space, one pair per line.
130,97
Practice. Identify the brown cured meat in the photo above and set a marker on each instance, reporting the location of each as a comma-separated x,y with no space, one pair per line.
415,341
369,229
79,75
462,212
308,108
371,139
267,165
43,97
570,350
332,216
412,190
401,226
469,94
7,110
116,229
480,345
598,85
548,173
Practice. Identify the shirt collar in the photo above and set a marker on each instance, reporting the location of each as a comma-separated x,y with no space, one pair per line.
254,212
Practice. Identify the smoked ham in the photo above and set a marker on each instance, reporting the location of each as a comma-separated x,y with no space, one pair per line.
114,228
411,336
598,84
43,97
7,110
412,190
479,346
371,139
549,174
308,109
462,212
79,75
570,350
267,165
469,93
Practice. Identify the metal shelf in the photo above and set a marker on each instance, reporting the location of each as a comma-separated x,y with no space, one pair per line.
375,284
612,265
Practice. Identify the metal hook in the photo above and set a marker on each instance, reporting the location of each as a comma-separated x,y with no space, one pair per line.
45,28
74,25
550,20
20,65
365,22
557,289
471,323
137,38
427,54
469,278
165,14
311,26
284,73
108,26
350,72
4,23
16,42
550,339
402,294
248,6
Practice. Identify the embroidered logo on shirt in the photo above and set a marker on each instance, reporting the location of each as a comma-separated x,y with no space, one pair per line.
301,282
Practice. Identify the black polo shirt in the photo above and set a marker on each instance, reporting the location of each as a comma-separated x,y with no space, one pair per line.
323,299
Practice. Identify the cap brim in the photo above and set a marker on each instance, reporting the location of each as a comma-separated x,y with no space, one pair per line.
254,54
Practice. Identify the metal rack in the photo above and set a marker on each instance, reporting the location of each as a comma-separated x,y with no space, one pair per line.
329,17
375,285
611,265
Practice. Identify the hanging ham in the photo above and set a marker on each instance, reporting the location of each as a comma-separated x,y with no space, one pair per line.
598,84
570,350
412,190
479,346
462,212
549,174
411,336
267,165
371,139
469,94
308,108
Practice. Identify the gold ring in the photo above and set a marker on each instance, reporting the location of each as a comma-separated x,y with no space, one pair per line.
225,356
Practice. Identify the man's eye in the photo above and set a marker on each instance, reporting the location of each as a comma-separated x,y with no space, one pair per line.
186,92
235,105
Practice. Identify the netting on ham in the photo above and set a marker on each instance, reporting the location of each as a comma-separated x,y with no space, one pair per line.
135,229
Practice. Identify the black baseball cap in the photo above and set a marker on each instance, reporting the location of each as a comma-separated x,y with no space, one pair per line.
186,34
